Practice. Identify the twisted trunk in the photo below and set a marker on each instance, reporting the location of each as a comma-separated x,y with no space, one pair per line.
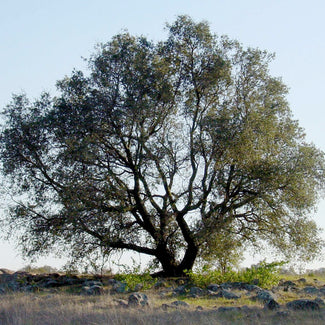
170,266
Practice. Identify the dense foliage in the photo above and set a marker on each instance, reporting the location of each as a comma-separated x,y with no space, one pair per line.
164,149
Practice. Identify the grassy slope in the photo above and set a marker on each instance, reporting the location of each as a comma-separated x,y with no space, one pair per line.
64,306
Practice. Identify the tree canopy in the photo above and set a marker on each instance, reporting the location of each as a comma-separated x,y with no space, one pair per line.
162,148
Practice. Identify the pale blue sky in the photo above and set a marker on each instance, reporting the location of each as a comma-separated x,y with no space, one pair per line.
43,40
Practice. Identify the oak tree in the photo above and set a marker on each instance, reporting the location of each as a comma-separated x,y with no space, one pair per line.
160,148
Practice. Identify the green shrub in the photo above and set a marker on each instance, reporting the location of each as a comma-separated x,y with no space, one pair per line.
267,275
133,279
132,276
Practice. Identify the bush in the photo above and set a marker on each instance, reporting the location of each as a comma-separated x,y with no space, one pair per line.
132,276
132,280
267,275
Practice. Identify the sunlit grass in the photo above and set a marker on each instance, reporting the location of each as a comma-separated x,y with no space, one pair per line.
62,308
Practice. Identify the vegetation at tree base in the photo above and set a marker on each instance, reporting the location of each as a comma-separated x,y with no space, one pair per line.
164,149
267,275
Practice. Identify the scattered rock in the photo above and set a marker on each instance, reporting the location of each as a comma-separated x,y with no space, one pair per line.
138,300
288,284
197,291
271,305
320,301
302,280
119,287
311,290
52,284
228,294
96,290
303,304
179,303
112,282
283,314
91,283
180,290
121,303
166,306
161,283
251,287
229,309
213,287
138,287
264,296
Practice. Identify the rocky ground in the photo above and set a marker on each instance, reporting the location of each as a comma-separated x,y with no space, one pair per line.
299,301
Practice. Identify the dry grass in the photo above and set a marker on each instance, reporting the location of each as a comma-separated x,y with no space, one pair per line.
63,308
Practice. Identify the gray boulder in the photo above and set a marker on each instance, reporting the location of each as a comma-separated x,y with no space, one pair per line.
180,290
229,309
271,305
251,287
119,287
223,294
138,299
213,287
121,303
311,290
264,296
179,303
303,304
320,301
91,283
197,291
94,290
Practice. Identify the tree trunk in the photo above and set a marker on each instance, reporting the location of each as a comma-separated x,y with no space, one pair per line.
173,269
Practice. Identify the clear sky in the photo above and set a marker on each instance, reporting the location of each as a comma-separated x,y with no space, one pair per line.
43,40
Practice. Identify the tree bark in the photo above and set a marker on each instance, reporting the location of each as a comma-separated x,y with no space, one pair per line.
173,269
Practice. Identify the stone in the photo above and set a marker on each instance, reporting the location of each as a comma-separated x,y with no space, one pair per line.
213,287
271,305
264,296
251,287
95,290
196,291
320,301
303,304
180,290
93,283
283,314
311,290
138,287
229,309
112,282
179,303
228,294
119,287
161,283
121,303
138,299
288,284
51,284
165,306
223,294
